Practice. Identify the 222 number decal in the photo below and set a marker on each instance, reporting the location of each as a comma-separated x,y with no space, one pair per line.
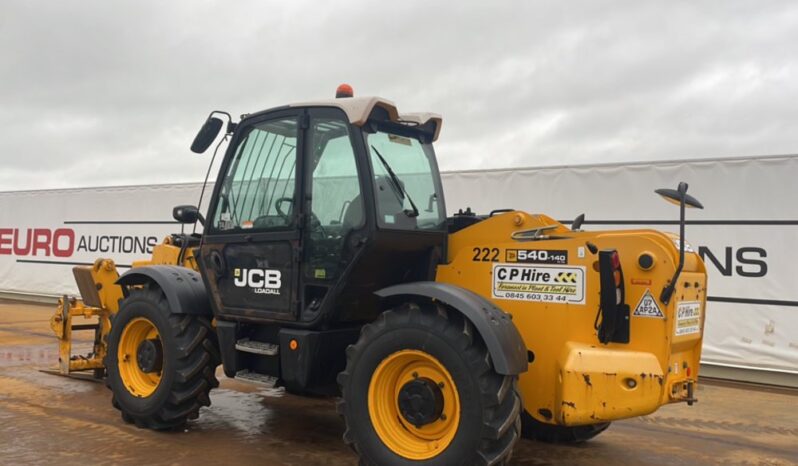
486,255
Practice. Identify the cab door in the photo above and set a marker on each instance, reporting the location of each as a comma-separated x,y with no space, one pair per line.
336,222
251,243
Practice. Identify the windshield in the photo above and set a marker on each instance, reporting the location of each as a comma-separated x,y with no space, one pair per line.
406,183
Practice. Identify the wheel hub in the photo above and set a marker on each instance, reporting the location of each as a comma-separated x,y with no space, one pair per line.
421,402
414,404
149,356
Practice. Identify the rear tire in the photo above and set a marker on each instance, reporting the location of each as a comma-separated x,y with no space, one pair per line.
440,348
550,433
189,355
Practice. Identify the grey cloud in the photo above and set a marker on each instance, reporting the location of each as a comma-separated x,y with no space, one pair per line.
97,93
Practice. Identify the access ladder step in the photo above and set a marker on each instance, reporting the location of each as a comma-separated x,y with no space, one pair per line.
257,347
268,381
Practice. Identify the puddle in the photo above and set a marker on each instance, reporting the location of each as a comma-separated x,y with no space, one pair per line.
240,411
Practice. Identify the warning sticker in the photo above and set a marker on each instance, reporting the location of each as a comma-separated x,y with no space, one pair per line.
647,307
688,318
399,140
542,283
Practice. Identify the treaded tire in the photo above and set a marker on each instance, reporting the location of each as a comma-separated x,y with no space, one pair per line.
190,358
549,433
490,404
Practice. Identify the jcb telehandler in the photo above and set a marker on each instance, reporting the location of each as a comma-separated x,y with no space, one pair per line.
327,265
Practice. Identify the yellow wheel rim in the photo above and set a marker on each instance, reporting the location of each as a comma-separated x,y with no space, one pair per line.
395,431
138,383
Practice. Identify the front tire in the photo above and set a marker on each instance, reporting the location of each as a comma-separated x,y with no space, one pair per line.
419,385
161,366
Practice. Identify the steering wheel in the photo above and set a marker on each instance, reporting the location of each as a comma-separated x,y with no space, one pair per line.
316,226
315,223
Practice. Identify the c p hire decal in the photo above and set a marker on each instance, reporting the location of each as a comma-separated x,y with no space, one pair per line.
543,283
262,281
688,318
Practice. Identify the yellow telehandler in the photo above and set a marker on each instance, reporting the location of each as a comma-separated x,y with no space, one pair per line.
327,265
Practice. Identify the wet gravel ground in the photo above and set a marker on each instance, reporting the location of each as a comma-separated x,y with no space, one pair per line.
47,419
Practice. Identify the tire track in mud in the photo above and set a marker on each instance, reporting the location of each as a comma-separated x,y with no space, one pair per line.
739,438
66,427
11,327
708,424
24,322
102,441
39,410
27,332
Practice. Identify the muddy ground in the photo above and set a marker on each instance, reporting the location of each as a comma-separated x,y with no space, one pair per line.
46,419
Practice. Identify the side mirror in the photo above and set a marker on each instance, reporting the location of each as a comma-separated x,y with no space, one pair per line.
188,214
577,223
210,129
675,196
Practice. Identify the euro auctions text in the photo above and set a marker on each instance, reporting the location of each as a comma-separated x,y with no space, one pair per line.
64,242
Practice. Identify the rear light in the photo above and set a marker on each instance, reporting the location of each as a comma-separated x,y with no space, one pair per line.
617,276
612,321
616,260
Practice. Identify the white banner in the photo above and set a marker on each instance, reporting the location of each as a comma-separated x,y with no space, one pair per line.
744,233
44,233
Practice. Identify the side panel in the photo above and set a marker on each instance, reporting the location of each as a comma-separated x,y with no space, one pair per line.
312,363
552,289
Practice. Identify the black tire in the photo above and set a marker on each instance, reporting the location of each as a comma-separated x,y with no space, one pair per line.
190,357
549,433
490,423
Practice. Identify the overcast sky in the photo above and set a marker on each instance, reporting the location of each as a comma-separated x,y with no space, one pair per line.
112,93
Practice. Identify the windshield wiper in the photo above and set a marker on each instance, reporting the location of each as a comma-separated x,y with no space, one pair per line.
398,185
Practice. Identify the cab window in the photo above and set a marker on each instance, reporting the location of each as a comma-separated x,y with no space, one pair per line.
406,183
258,189
336,201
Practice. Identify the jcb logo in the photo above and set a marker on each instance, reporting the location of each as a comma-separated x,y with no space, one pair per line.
262,281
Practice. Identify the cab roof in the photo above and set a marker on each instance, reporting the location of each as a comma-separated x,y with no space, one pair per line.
358,109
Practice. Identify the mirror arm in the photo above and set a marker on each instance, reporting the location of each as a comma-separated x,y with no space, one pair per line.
667,292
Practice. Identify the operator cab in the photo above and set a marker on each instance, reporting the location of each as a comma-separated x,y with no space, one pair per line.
316,206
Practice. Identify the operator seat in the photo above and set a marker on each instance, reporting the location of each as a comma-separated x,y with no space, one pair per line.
353,217
390,209
388,204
